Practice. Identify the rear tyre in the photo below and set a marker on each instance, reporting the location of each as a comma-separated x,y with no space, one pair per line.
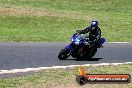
92,53
81,55
89,55
64,54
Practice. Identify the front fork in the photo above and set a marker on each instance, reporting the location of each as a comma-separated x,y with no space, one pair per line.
72,48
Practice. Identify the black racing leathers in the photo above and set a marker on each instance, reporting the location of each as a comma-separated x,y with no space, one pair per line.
94,35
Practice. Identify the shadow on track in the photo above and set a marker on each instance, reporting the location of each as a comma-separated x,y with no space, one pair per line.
87,59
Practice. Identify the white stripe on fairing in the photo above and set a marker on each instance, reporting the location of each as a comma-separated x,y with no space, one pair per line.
55,67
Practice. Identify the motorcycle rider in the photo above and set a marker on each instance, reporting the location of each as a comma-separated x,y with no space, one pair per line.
94,33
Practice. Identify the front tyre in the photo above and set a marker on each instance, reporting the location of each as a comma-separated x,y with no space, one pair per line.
64,54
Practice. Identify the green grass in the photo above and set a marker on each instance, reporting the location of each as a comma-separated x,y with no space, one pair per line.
114,17
59,77
18,29
31,28
74,5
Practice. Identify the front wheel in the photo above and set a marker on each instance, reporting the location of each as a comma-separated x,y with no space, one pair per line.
64,53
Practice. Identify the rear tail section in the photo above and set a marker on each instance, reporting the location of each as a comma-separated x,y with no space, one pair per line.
102,40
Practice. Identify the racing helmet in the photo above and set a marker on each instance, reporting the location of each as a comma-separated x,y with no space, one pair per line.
94,25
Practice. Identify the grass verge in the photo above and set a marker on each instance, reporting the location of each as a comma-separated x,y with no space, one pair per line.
74,5
56,20
65,78
55,29
32,28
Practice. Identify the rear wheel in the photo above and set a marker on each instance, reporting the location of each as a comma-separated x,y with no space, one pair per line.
64,53
81,54
86,55
92,53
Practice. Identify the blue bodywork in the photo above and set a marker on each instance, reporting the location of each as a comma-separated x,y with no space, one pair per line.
69,47
102,40
76,39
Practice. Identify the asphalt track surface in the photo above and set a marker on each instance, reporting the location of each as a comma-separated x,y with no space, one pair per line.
33,55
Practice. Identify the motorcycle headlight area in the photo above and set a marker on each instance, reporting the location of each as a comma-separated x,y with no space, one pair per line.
77,41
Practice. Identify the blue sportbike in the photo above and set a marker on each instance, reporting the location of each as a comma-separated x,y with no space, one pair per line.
80,48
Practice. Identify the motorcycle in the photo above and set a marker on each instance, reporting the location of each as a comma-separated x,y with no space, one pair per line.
80,48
